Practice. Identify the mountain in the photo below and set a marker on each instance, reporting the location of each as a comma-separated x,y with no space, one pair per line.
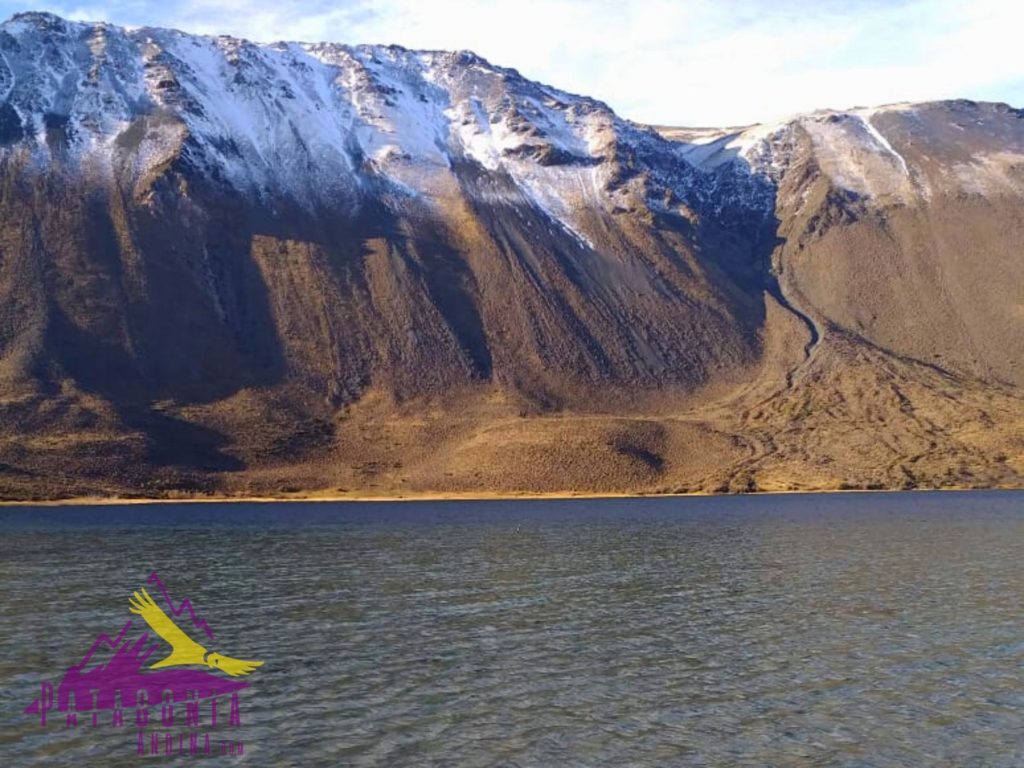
237,268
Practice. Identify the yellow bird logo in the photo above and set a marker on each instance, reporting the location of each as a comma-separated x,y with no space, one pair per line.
184,650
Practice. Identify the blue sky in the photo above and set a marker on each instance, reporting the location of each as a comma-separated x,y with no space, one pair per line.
681,62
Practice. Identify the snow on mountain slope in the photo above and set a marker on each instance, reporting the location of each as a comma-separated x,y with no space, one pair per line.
899,153
320,121
297,109
325,122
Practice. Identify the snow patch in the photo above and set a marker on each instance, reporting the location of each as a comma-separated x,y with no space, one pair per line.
884,142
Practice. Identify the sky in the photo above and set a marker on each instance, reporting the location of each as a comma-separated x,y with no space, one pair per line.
687,62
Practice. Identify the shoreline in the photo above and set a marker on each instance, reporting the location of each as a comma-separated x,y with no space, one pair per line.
102,501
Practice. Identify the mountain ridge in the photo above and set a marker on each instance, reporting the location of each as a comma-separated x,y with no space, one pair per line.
231,267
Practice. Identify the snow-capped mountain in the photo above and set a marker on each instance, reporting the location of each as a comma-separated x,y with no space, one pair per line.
321,123
330,124
220,256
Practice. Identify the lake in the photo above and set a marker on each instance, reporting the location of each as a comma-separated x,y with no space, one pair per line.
799,630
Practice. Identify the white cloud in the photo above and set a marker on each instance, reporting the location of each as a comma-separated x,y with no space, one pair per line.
695,62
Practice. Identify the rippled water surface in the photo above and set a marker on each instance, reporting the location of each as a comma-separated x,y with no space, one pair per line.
858,630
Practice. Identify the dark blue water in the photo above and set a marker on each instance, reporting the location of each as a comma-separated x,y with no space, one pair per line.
853,629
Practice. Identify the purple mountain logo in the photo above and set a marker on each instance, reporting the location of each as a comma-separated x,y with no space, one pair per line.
127,680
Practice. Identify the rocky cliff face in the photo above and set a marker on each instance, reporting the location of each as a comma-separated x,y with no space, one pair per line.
253,268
